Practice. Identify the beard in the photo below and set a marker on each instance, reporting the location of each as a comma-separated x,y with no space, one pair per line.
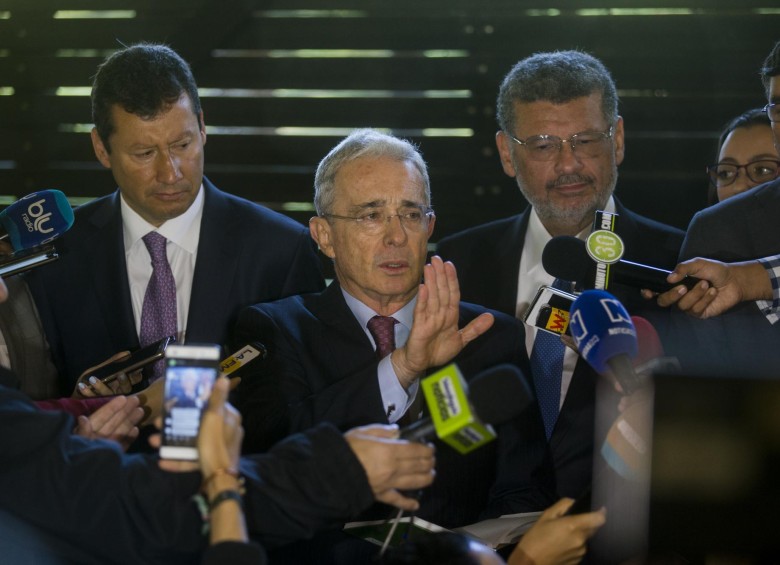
577,212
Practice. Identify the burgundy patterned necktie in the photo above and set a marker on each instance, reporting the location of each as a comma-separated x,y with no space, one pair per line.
382,329
158,315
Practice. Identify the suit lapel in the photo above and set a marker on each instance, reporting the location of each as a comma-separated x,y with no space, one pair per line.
342,336
510,246
107,269
216,264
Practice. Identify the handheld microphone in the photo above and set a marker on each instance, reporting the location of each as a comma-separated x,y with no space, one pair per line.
566,257
36,219
650,357
605,336
626,447
462,414
241,357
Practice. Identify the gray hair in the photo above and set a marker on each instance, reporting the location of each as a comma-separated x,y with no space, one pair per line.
557,77
364,143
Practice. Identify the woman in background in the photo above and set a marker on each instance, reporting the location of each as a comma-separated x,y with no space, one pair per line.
746,156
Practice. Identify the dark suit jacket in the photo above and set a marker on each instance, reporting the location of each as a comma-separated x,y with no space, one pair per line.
741,341
27,348
246,254
488,262
322,367
88,502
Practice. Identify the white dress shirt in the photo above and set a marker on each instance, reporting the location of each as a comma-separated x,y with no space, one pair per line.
183,235
532,275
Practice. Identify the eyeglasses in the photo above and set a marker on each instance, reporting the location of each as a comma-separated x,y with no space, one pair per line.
724,174
773,112
547,147
412,218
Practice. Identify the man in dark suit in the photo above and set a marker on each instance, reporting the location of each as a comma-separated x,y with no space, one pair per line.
147,515
327,363
561,139
221,252
742,228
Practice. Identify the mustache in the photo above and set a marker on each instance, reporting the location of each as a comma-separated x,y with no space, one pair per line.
570,179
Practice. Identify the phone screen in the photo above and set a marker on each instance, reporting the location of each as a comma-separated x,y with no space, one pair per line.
188,384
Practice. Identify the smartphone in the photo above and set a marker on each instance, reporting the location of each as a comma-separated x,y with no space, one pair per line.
549,310
139,358
581,504
25,259
190,372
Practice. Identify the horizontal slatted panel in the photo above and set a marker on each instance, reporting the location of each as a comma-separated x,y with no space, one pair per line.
415,67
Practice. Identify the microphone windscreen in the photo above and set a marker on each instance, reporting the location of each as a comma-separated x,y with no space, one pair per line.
37,219
499,394
649,343
602,328
566,258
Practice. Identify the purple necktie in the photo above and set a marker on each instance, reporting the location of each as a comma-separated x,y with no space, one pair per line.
158,316
382,329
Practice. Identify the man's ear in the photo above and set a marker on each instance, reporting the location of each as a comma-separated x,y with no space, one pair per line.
504,145
202,125
100,150
620,141
320,231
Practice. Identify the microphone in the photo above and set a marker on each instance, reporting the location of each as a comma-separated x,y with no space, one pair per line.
241,357
605,336
462,414
626,448
36,219
567,258
650,357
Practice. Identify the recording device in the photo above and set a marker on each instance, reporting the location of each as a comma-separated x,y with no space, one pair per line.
242,357
605,336
36,219
137,360
462,414
25,259
549,310
581,504
566,257
190,373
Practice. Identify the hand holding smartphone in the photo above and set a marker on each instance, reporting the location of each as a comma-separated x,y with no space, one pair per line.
189,377
137,360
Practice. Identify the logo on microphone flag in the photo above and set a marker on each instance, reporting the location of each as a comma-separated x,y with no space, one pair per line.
446,394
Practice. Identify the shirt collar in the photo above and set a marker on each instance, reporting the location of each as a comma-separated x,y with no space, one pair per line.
182,230
363,313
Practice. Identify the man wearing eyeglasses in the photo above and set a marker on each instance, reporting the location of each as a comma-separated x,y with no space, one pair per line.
561,139
742,228
330,360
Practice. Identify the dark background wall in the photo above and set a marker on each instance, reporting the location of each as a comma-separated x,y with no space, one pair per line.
283,80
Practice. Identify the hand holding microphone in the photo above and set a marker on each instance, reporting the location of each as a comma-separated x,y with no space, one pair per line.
566,257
